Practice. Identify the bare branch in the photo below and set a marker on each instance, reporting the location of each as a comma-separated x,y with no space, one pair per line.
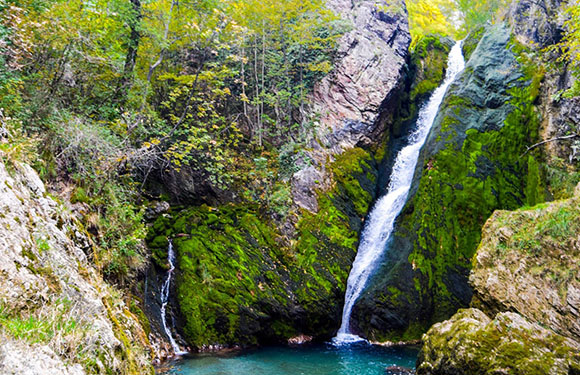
529,148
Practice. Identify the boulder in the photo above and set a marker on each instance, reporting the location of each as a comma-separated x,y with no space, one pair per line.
471,343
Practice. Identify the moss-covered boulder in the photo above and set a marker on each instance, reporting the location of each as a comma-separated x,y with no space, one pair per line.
471,343
525,316
241,282
471,165
529,261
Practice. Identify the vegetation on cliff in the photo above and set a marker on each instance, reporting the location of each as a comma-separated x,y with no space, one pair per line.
242,282
524,316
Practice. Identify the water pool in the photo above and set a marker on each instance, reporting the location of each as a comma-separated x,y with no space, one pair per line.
356,359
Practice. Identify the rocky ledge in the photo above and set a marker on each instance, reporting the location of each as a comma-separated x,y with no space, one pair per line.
57,315
525,310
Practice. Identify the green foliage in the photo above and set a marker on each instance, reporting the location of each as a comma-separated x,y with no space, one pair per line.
430,17
476,14
570,45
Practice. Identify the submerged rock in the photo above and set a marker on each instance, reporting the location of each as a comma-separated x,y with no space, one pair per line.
398,370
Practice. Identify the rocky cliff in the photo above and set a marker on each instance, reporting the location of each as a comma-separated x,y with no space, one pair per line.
468,170
526,306
57,315
245,278
476,160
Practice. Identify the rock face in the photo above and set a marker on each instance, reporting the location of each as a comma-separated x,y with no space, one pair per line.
71,315
466,170
240,282
529,262
369,69
526,282
358,100
471,343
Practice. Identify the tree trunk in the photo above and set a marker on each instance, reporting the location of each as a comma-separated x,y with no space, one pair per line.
134,22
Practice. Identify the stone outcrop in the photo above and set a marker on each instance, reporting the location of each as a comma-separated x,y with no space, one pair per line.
529,262
471,343
72,315
525,316
368,71
358,100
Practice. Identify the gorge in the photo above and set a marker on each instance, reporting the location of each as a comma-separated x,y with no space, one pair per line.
327,187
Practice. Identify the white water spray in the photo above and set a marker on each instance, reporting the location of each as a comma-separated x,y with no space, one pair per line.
379,225
165,299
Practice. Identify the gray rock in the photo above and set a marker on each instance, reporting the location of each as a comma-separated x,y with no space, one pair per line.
536,23
155,209
41,266
355,101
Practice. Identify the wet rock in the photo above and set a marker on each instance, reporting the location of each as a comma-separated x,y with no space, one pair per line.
398,370
300,340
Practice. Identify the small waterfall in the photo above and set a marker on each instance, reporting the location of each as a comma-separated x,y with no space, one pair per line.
165,298
381,220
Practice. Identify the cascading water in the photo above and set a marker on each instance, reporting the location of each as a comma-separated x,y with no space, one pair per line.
379,225
165,299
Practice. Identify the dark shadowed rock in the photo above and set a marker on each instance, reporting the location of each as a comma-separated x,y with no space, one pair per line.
398,370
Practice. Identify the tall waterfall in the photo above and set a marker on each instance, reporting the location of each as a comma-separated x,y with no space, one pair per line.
379,225
165,298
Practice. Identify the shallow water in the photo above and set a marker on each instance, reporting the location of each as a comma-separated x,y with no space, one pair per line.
356,359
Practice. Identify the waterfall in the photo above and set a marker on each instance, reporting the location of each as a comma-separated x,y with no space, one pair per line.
379,225
165,298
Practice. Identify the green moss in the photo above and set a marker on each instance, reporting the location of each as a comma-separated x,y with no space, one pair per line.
462,184
471,42
239,282
430,61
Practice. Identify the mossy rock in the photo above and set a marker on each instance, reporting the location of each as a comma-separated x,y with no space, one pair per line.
240,282
429,61
472,165
471,343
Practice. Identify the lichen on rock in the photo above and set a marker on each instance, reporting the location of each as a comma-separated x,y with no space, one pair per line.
54,306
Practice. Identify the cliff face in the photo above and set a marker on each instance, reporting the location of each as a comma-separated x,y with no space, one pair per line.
57,315
525,310
245,279
358,100
468,170
476,160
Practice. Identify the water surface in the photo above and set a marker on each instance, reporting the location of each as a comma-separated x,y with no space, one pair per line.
356,359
